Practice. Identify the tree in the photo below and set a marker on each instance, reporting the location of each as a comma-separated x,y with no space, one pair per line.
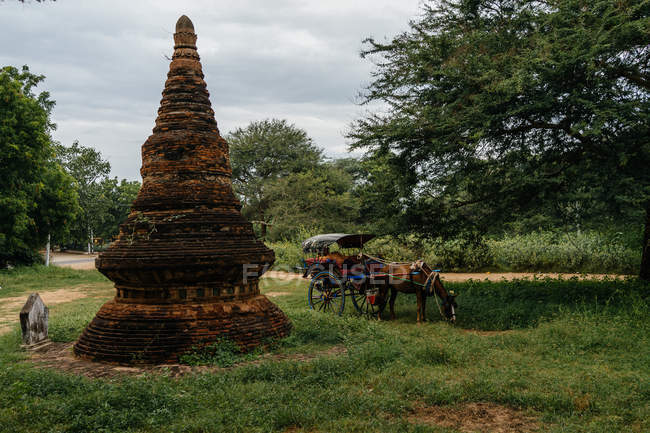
319,199
90,170
58,202
379,207
263,152
120,196
498,109
36,196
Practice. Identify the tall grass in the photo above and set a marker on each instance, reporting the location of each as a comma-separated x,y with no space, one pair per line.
588,251
568,252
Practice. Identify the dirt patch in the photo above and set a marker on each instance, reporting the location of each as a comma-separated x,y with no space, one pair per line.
487,333
10,307
279,275
75,260
49,298
476,417
84,266
460,277
297,430
59,356
276,294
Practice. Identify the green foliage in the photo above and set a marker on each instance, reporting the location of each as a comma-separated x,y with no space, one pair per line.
105,202
284,183
36,197
457,254
549,251
569,252
288,254
222,353
506,110
119,196
58,202
378,195
48,188
89,169
263,152
85,164
319,199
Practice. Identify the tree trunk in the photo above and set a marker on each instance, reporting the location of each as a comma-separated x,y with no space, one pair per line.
47,251
645,257
262,225
89,239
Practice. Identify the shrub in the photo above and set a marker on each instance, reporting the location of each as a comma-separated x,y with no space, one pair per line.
565,252
548,251
222,353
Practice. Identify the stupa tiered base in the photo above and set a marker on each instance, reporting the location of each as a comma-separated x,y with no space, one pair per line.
186,264
135,333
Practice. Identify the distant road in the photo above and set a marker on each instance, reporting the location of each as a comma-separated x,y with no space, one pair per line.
74,261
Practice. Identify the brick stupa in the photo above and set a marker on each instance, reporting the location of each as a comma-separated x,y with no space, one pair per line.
179,261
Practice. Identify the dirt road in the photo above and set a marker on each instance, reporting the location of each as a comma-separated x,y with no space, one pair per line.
491,276
85,261
73,260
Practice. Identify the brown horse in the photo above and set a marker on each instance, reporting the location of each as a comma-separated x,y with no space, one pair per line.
416,277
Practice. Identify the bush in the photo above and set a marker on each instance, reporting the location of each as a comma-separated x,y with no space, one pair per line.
546,251
222,353
459,254
288,254
566,252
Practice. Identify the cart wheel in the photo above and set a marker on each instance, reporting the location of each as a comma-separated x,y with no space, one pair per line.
365,307
326,293
358,297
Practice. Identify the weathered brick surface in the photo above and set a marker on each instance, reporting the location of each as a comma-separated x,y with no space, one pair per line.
178,261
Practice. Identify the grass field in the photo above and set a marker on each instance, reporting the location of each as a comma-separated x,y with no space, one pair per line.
567,356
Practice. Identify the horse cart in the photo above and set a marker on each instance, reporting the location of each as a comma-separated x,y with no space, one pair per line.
369,283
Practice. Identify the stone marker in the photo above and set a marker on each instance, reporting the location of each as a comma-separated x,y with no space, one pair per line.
186,264
33,322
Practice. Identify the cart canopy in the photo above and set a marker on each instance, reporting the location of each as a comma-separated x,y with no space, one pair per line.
317,243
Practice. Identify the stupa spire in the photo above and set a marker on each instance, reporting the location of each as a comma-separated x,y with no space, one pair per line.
185,38
179,261
184,24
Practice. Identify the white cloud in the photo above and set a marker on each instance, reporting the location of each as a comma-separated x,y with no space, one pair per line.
105,63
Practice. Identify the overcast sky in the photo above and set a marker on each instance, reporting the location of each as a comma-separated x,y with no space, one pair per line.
105,63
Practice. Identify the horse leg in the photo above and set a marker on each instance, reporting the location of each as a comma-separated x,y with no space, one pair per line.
418,295
424,305
391,302
383,298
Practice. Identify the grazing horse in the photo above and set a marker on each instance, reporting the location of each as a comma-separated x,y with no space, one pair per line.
416,277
